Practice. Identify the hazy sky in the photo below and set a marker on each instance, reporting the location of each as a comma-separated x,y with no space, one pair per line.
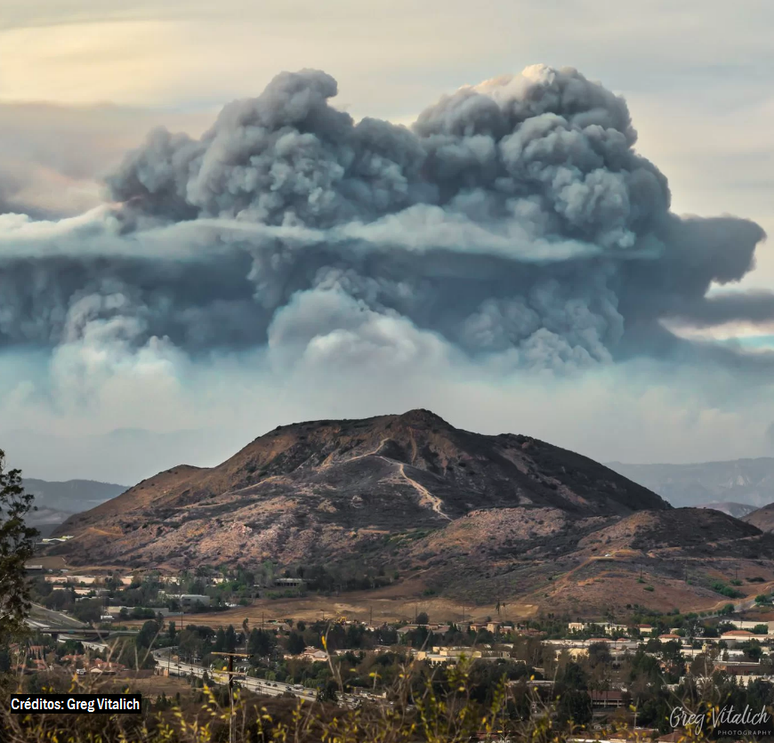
83,81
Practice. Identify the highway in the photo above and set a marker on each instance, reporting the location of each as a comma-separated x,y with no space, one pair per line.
40,618
259,686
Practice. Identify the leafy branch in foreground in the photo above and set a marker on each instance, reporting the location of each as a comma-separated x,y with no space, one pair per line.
17,544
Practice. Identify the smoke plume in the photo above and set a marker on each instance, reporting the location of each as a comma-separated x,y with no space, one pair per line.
513,222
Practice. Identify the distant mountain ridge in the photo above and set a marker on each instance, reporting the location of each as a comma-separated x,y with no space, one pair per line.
743,481
737,510
57,501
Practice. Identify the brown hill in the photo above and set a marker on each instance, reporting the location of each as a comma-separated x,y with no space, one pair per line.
762,518
298,492
470,516
561,562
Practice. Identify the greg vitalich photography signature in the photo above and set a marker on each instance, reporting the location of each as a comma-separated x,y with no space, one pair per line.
719,716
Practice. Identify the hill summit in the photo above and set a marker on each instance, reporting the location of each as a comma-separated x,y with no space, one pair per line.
299,492
432,510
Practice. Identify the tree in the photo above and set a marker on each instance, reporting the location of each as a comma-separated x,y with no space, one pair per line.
422,618
148,634
296,644
752,650
260,643
328,691
575,707
89,610
599,654
220,641
17,544
574,677
230,639
5,660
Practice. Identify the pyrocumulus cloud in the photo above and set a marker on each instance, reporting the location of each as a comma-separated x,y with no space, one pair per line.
514,223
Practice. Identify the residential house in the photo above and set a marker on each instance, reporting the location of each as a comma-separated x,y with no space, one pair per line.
313,654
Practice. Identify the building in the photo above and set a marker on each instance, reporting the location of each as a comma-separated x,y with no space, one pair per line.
607,627
187,600
610,698
85,580
738,668
444,655
90,592
402,631
737,637
752,625
314,654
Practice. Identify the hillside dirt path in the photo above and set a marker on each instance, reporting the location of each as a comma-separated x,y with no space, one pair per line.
433,500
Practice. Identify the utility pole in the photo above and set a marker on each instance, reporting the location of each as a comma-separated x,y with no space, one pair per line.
231,673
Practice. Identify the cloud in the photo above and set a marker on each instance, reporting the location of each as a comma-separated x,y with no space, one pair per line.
517,207
512,232
53,156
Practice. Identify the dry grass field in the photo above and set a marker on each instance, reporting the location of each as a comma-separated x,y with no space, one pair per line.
391,604
148,684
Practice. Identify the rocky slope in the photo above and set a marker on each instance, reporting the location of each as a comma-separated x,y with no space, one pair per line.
762,518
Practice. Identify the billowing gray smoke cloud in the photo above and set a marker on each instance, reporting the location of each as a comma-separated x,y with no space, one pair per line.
514,219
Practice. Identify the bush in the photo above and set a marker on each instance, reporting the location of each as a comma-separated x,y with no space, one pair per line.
725,590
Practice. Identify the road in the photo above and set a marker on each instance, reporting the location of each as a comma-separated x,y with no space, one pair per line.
57,623
739,607
40,617
259,686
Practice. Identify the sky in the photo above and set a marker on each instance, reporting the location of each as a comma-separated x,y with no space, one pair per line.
350,242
